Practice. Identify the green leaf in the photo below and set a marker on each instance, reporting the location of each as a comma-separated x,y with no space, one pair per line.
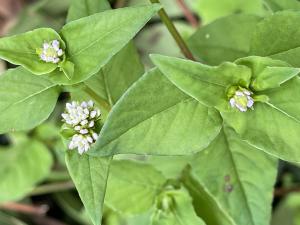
278,36
205,204
26,100
21,49
90,176
83,8
92,41
207,84
132,187
225,39
155,112
210,10
22,166
272,126
91,191
117,75
67,68
245,179
280,5
268,73
177,209
170,166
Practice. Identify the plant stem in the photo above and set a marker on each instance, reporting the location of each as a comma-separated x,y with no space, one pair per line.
174,32
280,192
50,188
24,208
97,98
187,13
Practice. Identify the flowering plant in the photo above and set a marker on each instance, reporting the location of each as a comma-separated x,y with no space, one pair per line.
185,142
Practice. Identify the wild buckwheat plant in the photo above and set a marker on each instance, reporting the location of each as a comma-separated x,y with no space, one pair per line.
178,128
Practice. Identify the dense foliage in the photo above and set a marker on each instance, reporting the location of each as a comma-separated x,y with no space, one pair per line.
193,139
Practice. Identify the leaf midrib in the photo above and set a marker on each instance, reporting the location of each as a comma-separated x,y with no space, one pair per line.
140,122
26,98
282,111
239,180
100,38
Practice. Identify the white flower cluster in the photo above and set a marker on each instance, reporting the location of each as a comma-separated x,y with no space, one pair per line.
82,117
51,52
242,100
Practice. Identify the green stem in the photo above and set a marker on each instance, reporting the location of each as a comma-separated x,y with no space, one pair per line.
174,32
50,188
97,98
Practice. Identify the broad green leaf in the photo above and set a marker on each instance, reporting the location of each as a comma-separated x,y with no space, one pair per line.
245,179
268,73
155,112
30,19
207,84
132,187
225,39
83,8
91,192
176,208
279,5
272,126
26,100
52,7
210,10
21,49
89,175
117,75
170,166
92,41
205,204
22,166
278,36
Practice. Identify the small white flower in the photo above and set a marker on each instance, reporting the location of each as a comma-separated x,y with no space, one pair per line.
50,52
84,122
91,124
81,118
84,131
242,100
93,114
95,136
80,142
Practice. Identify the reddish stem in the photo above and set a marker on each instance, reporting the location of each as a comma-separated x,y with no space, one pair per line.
187,13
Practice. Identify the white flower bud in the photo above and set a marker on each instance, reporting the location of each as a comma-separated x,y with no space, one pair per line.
242,100
79,117
84,131
93,114
91,124
50,52
95,136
